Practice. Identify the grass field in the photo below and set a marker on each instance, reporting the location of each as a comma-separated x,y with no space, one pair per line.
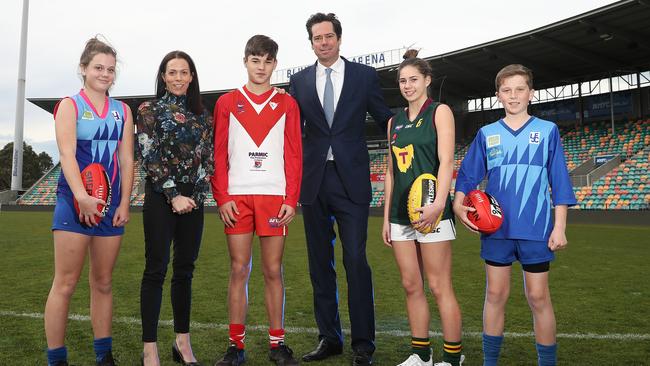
600,288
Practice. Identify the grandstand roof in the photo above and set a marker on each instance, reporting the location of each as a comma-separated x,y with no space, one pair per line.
613,39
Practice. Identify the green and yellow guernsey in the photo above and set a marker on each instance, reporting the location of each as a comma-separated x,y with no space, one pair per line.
414,151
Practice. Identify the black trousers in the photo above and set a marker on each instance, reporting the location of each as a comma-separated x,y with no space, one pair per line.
161,228
352,221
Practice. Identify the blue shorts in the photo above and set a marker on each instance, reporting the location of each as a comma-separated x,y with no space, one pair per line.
66,219
507,251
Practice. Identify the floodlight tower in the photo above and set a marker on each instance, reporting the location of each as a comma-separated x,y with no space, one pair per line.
17,161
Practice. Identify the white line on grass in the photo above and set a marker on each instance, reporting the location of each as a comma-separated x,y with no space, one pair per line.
394,333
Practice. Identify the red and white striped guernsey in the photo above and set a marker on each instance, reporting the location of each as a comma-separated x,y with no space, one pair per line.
257,146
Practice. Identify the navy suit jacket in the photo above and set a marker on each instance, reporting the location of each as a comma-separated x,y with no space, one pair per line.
361,93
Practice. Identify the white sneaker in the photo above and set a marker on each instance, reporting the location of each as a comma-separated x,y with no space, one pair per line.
462,359
415,360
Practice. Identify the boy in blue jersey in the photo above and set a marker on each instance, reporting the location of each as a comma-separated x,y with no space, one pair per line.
522,157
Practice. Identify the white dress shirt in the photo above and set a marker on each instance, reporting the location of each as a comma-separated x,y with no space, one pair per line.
338,71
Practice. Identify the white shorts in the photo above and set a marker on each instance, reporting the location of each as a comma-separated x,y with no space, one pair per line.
445,231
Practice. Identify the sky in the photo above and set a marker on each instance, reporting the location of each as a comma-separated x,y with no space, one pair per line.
214,34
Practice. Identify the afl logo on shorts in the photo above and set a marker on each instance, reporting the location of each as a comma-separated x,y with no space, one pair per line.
274,222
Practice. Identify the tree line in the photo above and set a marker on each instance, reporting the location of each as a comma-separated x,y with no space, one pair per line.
34,165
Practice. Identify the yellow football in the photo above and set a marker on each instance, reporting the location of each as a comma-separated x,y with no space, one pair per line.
422,193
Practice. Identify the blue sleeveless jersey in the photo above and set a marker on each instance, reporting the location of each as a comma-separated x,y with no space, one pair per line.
520,167
99,134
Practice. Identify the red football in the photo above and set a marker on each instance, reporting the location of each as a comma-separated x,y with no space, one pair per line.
488,216
96,184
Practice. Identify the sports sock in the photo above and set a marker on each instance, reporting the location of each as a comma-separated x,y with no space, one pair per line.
451,352
237,335
56,354
276,336
421,347
102,346
491,349
546,355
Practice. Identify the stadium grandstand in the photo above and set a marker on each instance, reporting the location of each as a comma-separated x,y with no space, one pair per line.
592,77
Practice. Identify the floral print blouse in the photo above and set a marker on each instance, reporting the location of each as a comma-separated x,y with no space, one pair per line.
175,146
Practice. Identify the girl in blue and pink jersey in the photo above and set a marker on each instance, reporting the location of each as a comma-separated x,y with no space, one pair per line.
90,128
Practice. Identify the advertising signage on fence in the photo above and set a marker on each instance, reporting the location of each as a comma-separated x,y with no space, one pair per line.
562,110
602,159
376,59
594,106
598,105
377,177
376,145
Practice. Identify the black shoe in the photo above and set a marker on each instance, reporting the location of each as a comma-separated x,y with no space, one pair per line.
324,350
107,360
360,358
178,357
61,363
232,357
282,355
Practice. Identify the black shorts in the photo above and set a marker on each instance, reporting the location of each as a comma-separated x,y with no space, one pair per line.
530,268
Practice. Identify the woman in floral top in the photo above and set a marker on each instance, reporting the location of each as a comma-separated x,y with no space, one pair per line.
175,143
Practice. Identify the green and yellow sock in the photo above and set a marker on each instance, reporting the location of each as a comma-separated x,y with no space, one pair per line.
451,352
421,347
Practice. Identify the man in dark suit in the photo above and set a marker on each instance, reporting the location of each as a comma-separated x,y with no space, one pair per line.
334,96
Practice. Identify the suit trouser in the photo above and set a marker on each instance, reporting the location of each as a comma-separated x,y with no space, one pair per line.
352,221
161,227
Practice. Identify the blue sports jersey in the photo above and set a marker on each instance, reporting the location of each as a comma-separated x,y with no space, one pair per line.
520,166
98,138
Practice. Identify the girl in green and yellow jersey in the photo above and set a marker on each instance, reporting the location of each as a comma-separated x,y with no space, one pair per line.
421,139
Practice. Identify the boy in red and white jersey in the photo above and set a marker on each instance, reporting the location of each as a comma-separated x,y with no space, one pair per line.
258,169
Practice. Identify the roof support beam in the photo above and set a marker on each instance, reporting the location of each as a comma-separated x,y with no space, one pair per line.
582,54
617,32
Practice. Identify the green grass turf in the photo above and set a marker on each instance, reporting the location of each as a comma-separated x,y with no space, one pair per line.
599,285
